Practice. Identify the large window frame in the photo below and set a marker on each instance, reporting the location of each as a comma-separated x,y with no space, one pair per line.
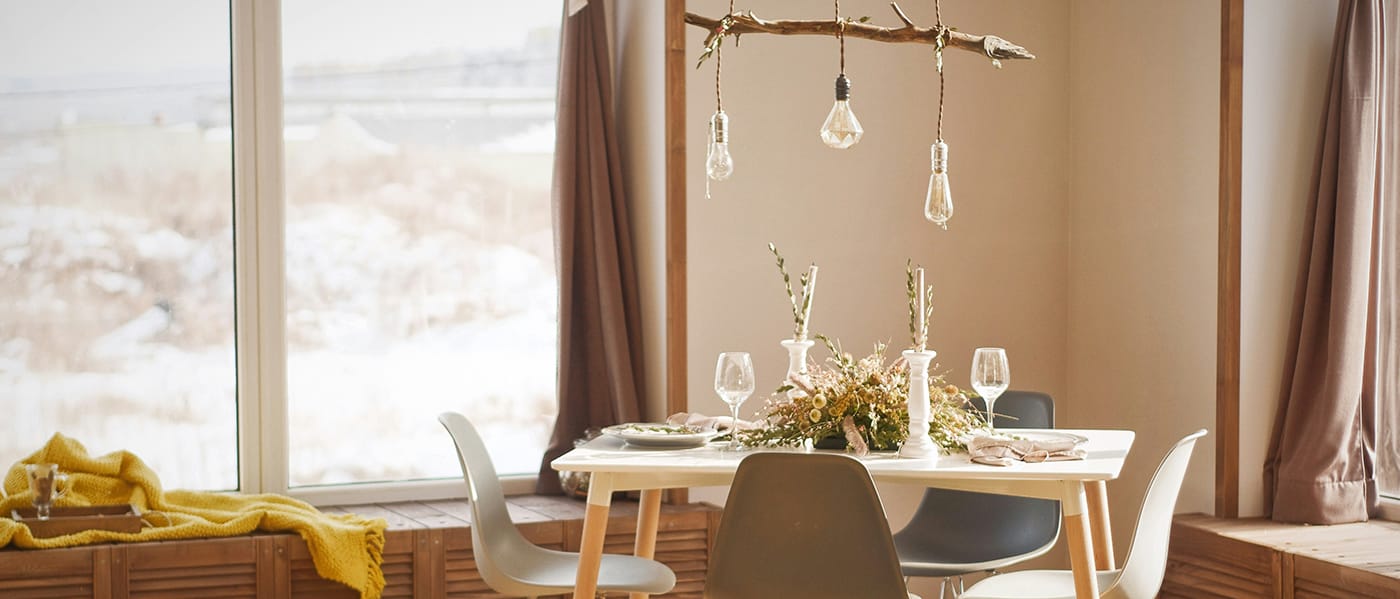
260,279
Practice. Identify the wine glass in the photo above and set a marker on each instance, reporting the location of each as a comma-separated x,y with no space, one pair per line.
734,384
990,376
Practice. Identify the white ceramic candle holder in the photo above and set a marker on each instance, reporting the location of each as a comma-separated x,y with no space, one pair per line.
919,444
797,363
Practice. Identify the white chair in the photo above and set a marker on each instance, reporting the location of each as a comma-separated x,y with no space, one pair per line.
1141,576
516,567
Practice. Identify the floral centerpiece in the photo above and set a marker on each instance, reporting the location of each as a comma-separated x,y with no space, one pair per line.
860,404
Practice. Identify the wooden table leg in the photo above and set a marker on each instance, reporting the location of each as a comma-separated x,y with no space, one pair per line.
1081,544
1097,492
648,517
595,528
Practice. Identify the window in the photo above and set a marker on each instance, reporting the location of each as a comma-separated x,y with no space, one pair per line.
116,234
420,248
143,304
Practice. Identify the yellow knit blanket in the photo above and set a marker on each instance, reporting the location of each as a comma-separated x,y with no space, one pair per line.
345,548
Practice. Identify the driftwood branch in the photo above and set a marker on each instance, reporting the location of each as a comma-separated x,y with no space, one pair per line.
991,46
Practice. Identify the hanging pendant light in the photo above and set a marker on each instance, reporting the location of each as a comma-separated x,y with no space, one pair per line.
719,164
841,129
938,201
938,204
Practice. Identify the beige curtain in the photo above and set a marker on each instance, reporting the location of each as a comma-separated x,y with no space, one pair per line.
600,363
1388,290
1322,461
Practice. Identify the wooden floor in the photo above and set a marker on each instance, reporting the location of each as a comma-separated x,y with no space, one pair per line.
1262,558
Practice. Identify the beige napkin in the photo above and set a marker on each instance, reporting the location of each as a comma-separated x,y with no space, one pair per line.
719,423
1001,451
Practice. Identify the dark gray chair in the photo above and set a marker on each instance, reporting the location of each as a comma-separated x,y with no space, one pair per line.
959,532
803,525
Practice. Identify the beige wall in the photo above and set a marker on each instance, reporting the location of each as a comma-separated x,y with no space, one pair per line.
998,272
1287,50
638,41
1144,97
1084,239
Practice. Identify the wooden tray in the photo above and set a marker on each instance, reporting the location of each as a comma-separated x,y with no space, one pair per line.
68,520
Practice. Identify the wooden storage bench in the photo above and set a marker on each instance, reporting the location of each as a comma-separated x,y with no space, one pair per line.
427,555
1252,557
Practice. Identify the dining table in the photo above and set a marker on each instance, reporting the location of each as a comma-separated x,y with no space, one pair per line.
615,465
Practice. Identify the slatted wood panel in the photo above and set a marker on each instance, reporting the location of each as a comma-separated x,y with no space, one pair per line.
1260,558
56,574
1204,564
213,568
427,554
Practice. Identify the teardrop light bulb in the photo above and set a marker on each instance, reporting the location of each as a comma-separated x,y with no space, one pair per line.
938,204
841,129
719,165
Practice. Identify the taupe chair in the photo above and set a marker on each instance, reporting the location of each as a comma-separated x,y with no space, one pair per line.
954,533
803,525
509,563
1141,576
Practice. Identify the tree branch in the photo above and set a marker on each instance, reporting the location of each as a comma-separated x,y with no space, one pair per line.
990,46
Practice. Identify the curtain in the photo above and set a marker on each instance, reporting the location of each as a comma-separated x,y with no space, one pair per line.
600,359
1388,348
1322,460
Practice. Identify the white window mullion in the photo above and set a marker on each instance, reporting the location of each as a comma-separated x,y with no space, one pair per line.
259,236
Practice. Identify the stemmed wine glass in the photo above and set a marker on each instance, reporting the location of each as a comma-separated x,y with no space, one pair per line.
990,376
734,384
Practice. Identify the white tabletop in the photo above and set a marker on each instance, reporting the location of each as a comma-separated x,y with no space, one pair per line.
1106,451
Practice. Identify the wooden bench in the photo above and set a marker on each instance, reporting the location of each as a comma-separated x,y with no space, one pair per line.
427,555
1214,557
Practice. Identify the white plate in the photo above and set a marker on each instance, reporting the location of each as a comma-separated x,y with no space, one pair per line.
653,434
1042,435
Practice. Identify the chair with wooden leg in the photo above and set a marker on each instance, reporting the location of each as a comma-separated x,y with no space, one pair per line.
512,565
803,525
1141,576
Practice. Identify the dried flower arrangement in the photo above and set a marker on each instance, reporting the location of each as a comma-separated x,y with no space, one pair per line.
862,400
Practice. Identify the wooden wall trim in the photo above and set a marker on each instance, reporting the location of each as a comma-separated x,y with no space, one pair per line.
1227,342
676,365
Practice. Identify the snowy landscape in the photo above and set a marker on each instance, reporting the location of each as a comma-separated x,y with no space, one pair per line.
419,266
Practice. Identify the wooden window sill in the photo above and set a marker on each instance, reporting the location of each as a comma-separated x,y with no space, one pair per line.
1261,558
427,554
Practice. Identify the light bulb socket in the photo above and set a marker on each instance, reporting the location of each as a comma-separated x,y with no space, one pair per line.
843,88
940,156
719,123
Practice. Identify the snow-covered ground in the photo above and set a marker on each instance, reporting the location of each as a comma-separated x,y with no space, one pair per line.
418,280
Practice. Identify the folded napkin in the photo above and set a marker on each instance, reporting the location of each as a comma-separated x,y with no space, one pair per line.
719,423
1002,451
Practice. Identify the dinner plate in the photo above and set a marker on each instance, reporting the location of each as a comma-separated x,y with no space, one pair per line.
1043,435
660,435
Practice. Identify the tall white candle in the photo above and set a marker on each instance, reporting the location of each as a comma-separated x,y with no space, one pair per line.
923,323
808,294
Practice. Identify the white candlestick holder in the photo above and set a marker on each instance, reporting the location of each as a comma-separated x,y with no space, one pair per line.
797,363
919,444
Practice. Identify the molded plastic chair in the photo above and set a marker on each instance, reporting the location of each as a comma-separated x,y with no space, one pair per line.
1141,576
959,532
516,567
803,525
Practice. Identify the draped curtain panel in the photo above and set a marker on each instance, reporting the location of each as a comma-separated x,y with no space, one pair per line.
1388,279
600,359
1322,461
